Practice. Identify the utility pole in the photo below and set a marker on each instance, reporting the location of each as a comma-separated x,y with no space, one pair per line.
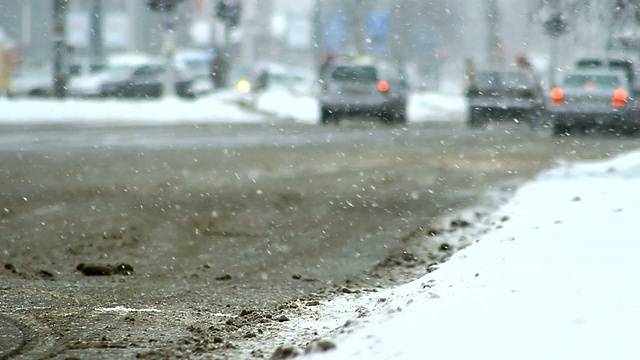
25,25
357,27
167,8
252,29
401,22
555,26
528,25
593,19
493,34
131,19
169,53
97,48
60,70
318,38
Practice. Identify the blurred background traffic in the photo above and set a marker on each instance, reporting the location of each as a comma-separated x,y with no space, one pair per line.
147,48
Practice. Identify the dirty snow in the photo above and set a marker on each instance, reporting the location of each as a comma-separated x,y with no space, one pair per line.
553,277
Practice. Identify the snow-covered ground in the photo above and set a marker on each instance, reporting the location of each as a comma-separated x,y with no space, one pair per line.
219,107
553,275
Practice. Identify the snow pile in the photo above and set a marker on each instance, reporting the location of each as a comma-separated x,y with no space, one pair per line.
225,106
287,105
436,106
554,279
171,110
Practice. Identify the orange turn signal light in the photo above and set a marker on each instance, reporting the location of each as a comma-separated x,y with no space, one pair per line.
383,86
557,96
619,97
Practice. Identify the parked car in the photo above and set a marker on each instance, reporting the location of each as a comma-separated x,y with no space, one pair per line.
364,87
147,81
294,79
32,82
118,67
198,62
37,80
505,94
592,98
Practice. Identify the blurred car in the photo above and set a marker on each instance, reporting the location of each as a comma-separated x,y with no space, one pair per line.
37,81
280,77
32,82
364,87
592,98
504,94
147,81
294,79
612,61
198,62
118,67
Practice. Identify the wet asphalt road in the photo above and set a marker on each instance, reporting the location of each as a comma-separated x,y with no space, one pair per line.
219,220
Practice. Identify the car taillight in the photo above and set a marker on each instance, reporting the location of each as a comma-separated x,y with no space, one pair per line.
557,96
383,86
619,98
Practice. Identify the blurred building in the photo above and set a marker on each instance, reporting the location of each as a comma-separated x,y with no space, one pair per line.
428,34
127,25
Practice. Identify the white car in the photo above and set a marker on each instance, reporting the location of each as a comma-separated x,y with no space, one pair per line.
118,67
32,81
198,63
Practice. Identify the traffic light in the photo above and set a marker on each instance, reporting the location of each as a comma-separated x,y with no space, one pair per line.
556,26
229,12
162,5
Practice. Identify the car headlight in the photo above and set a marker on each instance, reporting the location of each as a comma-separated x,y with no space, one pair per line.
243,86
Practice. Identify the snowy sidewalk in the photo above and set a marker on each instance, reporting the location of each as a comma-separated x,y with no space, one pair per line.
555,278
220,107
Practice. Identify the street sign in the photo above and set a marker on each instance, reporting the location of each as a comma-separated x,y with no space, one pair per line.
116,31
78,29
378,32
335,30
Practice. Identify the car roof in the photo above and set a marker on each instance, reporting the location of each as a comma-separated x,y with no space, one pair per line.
133,59
608,56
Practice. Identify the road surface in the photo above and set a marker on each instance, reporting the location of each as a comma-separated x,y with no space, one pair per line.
199,241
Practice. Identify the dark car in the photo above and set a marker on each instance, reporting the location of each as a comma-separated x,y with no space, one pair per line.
622,63
368,88
514,95
148,82
592,98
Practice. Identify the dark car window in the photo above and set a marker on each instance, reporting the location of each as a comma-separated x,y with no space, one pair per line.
596,80
355,73
147,71
617,64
